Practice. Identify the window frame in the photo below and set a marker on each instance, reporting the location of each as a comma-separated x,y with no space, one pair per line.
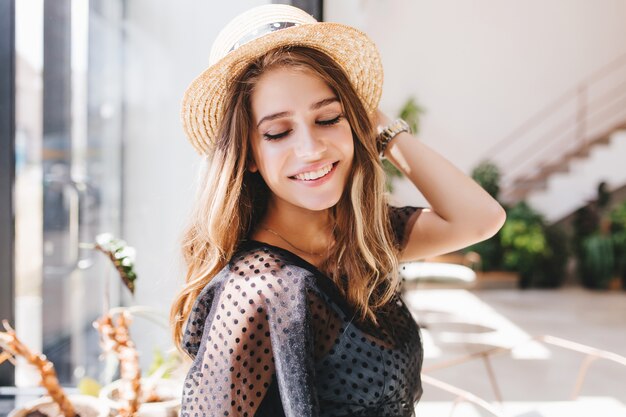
7,173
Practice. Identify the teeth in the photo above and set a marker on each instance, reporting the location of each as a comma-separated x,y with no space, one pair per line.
313,175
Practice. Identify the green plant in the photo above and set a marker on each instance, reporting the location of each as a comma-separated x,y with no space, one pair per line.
524,242
617,217
552,269
490,252
586,221
487,175
596,262
619,249
600,241
411,113
390,172
162,365
604,195
122,257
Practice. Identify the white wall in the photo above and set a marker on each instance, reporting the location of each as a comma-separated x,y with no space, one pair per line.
482,67
168,44
479,67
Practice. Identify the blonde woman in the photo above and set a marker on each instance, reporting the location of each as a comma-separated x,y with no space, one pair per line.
291,304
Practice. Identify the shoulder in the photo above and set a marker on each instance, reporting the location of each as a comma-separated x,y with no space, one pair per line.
399,216
264,272
401,220
253,264
260,281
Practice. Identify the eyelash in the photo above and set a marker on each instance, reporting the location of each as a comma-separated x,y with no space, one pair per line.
321,122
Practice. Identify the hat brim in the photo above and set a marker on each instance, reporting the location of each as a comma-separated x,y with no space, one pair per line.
203,101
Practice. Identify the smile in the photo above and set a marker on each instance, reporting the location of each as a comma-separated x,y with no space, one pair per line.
316,176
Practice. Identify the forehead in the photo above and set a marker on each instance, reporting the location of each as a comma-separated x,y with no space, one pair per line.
283,87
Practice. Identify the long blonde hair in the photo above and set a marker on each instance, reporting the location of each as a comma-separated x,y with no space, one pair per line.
364,249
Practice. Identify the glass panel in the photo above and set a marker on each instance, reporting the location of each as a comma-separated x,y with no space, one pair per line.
68,175
28,177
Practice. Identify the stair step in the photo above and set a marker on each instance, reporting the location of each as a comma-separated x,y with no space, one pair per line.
604,140
531,183
519,188
581,152
553,168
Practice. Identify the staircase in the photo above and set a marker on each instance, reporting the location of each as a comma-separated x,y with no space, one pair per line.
570,128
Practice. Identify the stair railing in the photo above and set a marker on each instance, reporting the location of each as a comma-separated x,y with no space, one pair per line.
565,129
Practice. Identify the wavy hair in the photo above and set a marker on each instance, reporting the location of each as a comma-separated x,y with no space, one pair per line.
364,249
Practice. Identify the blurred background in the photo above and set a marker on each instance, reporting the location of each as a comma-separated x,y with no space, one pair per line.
527,97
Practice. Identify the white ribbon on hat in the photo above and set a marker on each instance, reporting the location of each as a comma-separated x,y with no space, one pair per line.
261,31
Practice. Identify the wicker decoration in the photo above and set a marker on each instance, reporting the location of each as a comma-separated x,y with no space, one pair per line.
115,338
13,347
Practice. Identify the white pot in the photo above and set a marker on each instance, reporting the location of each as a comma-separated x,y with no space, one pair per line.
169,390
84,405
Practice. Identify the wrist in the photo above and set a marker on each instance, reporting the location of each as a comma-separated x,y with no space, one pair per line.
387,133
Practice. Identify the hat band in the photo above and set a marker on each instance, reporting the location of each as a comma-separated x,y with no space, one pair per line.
261,31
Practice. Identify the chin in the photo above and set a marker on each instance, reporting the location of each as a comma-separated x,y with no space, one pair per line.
319,204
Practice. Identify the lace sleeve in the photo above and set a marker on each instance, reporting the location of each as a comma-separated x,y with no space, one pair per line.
257,331
402,220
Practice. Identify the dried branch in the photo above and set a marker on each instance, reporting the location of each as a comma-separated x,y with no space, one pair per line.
115,338
6,356
13,347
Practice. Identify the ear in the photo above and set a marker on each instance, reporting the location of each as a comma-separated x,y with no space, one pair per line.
252,167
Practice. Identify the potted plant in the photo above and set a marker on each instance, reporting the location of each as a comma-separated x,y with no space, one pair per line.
551,270
487,175
525,250
617,217
596,261
490,269
524,243
601,242
57,403
131,394
155,395
158,397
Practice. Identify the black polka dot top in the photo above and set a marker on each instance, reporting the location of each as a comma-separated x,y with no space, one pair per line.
272,336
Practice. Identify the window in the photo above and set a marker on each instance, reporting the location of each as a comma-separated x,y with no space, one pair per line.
68,171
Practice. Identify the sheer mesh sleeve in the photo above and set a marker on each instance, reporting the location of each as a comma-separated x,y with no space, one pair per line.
402,220
257,329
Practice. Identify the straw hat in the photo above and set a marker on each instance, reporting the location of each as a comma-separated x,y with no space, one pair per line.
259,30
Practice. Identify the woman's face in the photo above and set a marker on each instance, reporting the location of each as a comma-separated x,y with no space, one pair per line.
301,142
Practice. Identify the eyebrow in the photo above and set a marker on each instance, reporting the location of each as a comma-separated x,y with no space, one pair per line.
314,106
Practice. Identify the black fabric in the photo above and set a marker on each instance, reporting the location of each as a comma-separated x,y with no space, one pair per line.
272,336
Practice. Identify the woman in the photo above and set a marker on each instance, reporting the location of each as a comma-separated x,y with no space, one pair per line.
292,303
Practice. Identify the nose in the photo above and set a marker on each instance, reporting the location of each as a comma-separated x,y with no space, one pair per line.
310,144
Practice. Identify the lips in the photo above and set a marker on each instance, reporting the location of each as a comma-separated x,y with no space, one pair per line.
317,177
314,172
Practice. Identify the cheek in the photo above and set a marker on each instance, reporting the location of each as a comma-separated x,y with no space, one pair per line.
346,142
270,160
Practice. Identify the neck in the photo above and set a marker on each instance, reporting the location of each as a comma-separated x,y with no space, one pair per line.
310,231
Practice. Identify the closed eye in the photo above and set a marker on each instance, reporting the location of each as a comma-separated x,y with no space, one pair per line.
277,136
331,121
